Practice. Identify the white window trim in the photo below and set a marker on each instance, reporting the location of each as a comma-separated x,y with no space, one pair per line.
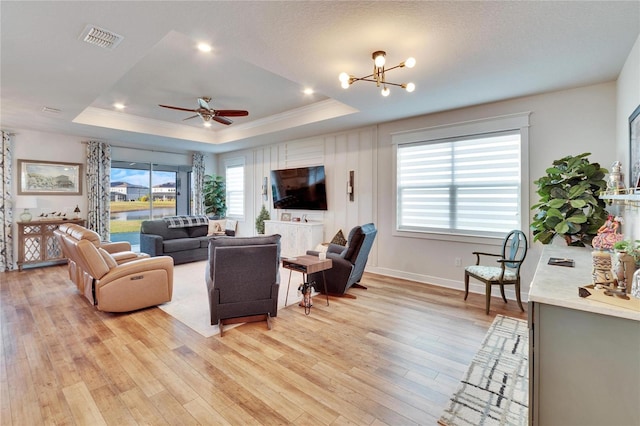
235,162
518,121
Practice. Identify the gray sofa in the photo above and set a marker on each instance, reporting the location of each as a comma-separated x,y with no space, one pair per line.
184,238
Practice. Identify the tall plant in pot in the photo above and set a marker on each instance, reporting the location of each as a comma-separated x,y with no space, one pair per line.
262,216
569,205
215,195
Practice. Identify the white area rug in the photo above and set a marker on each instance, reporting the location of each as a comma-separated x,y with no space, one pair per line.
495,388
190,302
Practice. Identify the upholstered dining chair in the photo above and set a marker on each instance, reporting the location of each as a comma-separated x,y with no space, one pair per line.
514,251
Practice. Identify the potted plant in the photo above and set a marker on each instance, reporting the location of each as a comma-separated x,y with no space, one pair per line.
262,216
569,204
215,197
632,248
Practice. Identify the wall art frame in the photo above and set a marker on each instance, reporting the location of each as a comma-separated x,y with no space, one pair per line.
37,177
285,217
634,148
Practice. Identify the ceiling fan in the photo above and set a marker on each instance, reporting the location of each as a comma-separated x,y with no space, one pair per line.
207,113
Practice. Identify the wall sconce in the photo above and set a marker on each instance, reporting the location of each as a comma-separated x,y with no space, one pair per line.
265,186
350,188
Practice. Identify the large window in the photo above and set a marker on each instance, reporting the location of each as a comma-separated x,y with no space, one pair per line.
234,177
465,185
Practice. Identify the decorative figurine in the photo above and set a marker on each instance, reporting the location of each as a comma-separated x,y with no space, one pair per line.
615,184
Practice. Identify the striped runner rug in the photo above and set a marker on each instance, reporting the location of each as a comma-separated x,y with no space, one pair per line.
495,388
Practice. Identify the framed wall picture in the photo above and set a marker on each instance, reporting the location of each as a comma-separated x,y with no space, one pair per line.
634,148
285,217
49,178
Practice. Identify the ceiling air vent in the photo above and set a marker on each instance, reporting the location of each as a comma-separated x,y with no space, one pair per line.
100,37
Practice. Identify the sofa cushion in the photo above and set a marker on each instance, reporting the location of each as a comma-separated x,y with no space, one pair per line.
204,241
197,231
159,227
180,244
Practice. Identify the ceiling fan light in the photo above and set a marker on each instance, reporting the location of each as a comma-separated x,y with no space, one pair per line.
207,124
410,87
345,84
410,62
385,91
344,77
379,58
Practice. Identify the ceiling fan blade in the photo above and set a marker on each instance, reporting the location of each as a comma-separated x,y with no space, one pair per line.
178,108
193,116
231,112
220,119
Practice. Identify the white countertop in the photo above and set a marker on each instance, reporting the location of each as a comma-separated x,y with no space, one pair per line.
558,285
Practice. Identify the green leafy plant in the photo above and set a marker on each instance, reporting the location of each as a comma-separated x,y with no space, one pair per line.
215,196
632,248
569,204
262,216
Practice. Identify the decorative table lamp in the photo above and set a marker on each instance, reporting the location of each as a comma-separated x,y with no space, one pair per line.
77,211
26,203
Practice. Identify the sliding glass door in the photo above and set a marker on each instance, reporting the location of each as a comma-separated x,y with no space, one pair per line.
141,191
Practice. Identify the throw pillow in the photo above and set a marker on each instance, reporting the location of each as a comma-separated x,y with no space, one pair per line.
339,239
230,229
216,227
321,248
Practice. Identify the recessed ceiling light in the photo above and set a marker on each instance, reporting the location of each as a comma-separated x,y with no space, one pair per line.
118,105
308,91
204,47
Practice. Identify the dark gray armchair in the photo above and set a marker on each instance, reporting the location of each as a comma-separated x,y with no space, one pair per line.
348,262
243,279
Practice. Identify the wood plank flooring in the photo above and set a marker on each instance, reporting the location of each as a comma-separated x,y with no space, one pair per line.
392,356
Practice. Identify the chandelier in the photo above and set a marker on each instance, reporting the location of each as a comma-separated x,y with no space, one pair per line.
378,75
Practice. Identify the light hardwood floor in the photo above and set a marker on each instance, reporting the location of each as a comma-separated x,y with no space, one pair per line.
392,356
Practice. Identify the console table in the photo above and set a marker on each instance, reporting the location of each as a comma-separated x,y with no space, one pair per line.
584,355
37,244
297,237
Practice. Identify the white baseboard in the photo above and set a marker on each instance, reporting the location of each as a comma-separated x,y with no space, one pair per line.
474,287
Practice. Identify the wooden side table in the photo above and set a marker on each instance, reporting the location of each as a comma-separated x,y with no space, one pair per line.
307,264
37,243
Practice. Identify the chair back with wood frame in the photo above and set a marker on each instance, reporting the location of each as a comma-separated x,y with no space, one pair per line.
506,272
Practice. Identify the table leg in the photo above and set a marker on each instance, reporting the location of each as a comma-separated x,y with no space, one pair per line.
324,281
286,298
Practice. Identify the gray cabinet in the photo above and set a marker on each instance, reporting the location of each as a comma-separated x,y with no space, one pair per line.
584,355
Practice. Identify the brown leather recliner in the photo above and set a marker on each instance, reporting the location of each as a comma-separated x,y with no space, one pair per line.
121,250
134,284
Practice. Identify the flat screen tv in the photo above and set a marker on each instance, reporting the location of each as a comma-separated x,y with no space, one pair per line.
299,189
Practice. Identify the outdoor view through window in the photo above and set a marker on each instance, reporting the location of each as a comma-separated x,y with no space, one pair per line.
136,195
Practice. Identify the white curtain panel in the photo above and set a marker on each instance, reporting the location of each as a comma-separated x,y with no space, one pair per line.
98,187
6,204
198,183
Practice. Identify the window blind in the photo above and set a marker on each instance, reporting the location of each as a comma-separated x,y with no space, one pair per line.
235,190
467,185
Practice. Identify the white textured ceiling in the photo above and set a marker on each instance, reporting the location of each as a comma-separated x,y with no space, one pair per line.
265,53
